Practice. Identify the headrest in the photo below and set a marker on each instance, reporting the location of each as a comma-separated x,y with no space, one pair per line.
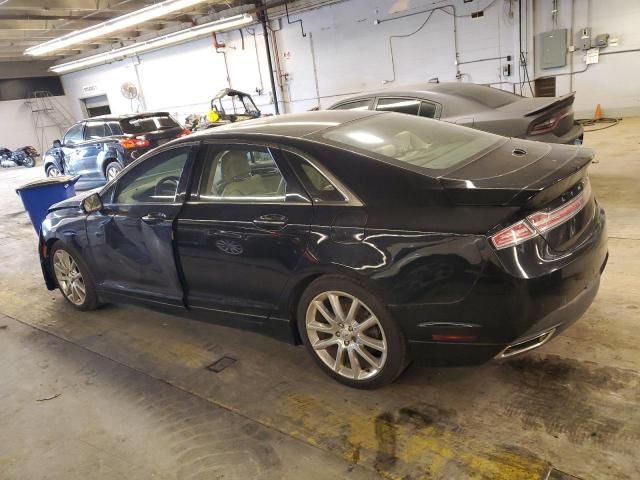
235,165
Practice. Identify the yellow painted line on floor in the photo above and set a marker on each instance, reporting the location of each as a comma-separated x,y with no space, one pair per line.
397,446
394,444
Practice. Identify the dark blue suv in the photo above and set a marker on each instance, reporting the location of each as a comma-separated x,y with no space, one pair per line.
98,148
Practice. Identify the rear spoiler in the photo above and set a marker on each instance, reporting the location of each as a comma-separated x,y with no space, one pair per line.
559,102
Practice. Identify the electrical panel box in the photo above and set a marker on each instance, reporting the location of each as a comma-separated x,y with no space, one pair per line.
583,39
602,40
553,48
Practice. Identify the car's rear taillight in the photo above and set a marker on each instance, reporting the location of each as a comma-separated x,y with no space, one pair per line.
513,235
546,125
545,221
131,143
184,133
541,222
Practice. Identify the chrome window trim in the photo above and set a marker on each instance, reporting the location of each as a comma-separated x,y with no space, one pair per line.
239,200
438,106
371,102
142,158
350,198
150,154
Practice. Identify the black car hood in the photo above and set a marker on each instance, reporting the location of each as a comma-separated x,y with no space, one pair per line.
73,202
514,173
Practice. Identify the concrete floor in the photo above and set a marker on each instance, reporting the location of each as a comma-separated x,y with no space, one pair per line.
123,392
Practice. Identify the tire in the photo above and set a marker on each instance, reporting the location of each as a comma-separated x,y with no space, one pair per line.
112,170
375,350
53,171
61,269
29,162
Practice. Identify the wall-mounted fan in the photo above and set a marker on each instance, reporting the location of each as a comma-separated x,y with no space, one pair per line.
129,90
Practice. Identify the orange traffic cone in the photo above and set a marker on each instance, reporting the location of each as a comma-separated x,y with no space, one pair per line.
598,113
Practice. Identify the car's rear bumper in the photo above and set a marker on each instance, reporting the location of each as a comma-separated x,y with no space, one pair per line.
572,137
548,327
505,310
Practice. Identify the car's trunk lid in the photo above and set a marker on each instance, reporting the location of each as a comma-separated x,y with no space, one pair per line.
531,175
546,114
161,137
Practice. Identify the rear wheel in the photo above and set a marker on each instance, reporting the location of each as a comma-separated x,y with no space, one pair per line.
350,334
112,170
72,277
29,162
53,171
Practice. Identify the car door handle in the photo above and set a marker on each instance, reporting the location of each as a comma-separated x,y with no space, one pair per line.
153,218
273,220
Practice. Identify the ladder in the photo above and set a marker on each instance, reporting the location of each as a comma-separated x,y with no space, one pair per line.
49,117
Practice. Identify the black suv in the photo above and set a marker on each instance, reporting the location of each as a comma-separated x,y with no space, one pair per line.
98,148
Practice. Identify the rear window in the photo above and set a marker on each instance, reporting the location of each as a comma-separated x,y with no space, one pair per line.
484,95
416,141
148,124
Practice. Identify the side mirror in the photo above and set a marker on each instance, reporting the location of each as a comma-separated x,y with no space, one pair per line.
92,203
57,144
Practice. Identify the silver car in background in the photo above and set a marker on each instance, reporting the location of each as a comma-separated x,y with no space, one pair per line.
545,119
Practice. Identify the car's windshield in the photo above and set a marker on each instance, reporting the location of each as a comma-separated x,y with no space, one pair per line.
420,142
148,124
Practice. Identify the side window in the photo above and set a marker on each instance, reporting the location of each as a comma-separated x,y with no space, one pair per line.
155,180
73,135
114,128
245,174
94,130
428,109
357,105
400,105
317,184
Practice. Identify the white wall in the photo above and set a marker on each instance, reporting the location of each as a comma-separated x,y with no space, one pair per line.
613,81
352,54
180,79
18,127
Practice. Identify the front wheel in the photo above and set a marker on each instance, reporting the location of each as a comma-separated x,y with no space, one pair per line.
350,334
72,277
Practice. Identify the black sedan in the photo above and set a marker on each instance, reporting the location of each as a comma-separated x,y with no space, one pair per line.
544,119
375,239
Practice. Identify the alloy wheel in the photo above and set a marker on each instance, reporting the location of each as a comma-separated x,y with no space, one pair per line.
346,335
112,172
69,277
53,172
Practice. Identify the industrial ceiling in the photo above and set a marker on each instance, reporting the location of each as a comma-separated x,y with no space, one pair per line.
26,23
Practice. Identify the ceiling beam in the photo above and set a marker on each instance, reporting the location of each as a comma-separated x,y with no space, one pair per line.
55,17
75,5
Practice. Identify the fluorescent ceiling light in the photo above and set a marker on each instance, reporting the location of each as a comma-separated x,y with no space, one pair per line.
155,43
119,23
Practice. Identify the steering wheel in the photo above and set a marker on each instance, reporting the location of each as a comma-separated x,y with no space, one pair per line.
166,187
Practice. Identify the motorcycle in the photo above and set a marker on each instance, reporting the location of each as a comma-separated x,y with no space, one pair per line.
25,156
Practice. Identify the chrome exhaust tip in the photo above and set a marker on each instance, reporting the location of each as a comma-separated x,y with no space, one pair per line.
526,345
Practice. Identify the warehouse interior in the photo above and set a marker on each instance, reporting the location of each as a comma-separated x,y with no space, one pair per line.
126,391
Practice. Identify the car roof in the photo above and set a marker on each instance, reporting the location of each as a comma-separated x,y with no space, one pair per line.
456,98
292,125
446,88
126,116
